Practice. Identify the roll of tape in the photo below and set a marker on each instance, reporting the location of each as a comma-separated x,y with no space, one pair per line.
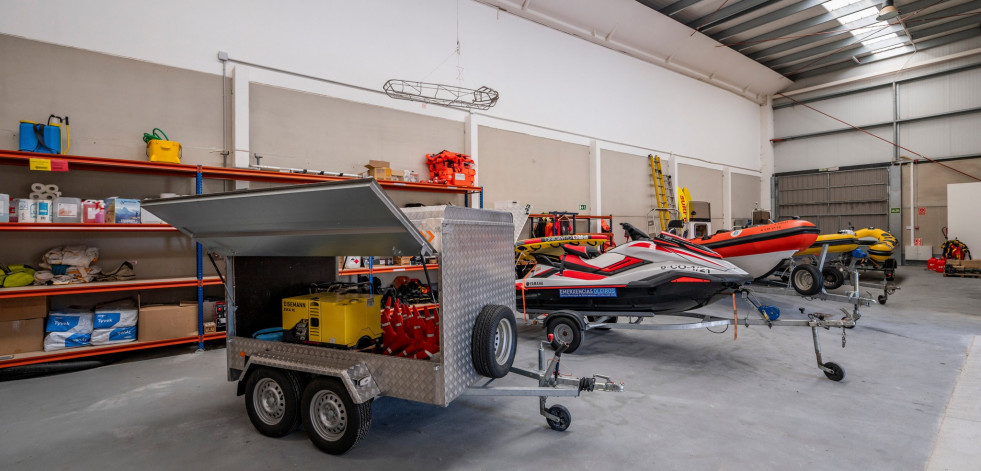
48,196
37,187
51,189
36,195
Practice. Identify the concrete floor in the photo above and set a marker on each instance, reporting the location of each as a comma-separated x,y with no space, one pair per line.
695,400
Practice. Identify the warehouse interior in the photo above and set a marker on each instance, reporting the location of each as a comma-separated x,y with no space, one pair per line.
832,117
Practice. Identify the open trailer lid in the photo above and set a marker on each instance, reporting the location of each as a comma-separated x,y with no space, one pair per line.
353,217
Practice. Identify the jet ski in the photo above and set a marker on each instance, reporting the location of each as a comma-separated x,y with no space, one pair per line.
662,274
759,249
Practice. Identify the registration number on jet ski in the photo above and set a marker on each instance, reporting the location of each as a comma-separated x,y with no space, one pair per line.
587,292
688,267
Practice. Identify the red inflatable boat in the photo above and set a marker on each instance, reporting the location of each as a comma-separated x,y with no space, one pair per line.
759,249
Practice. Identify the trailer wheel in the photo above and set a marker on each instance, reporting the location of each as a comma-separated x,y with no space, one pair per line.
565,418
837,372
272,400
832,277
564,330
805,278
494,341
334,423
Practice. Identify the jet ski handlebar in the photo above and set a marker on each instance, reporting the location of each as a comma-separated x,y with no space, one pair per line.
633,233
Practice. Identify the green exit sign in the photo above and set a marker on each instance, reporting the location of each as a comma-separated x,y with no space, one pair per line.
582,207
895,210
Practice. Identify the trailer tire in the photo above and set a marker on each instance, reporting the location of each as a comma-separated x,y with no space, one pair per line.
494,341
564,330
832,277
272,400
334,423
806,279
565,418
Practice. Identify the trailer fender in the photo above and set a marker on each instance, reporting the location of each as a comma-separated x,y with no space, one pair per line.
356,377
575,316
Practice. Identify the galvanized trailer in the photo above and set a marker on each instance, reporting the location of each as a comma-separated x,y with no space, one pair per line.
277,241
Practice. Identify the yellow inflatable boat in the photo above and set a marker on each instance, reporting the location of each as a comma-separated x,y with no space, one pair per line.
841,242
879,243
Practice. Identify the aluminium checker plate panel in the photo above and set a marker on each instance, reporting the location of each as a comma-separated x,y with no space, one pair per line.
404,378
476,269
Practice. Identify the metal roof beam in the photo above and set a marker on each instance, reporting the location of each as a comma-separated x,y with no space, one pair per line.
856,91
941,27
808,23
849,53
768,18
834,31
728,13
922,45
829,47
674,7
949,26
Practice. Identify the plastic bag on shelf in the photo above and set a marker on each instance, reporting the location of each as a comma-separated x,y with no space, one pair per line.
113,335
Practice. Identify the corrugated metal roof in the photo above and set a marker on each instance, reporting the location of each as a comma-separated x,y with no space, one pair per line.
804,38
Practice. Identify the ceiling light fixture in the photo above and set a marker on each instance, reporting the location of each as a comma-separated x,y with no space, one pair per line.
888,11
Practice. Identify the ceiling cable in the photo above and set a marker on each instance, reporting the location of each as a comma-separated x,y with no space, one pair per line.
880,138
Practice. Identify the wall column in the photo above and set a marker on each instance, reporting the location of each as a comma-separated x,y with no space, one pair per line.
240,120
595,184
470,148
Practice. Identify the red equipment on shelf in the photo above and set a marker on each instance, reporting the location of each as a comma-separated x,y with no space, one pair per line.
451,168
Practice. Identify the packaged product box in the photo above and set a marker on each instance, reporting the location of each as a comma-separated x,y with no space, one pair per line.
378,169
15,309
209,309
122,211
21,336
164,322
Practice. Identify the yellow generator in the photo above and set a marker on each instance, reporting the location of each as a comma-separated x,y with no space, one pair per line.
334,320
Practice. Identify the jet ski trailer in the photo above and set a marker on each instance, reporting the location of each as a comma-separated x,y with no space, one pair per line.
276,241
648,276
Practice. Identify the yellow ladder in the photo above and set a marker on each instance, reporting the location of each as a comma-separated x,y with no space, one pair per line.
662,192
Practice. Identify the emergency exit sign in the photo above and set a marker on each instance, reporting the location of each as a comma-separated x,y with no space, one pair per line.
895,210
582,207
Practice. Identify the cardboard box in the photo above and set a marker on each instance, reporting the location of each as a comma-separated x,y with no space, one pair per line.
164,322
378,173
402,260
16,309
21,336
398,175
378,164
122,211
209,309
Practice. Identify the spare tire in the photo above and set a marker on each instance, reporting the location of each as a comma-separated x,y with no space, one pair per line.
494,341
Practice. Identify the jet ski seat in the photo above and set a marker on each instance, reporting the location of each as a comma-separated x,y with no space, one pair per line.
583,251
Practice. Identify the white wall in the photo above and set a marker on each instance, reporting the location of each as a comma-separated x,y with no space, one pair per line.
546,78
962,215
